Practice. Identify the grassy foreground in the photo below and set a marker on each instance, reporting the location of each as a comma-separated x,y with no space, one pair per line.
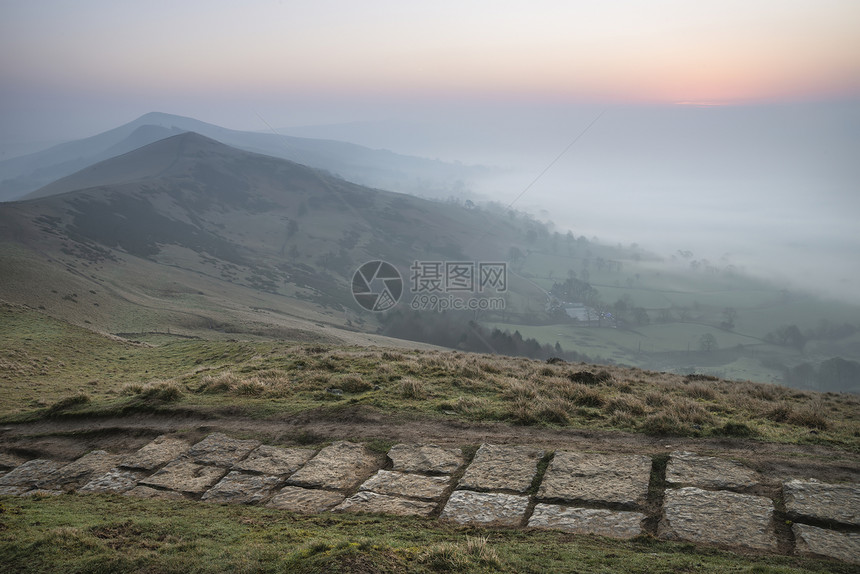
96,533
52,369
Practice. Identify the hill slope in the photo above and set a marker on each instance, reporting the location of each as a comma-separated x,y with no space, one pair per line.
376,168
187,233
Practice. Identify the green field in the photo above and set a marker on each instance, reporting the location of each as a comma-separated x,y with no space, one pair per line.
682,307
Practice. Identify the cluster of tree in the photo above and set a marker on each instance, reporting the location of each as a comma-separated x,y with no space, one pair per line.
836,374
457,331
575,291
827,331
787,336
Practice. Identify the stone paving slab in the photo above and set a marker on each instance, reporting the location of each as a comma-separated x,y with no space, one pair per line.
30,473
115,480
426,458
77,473
242,488
44,492
613,523
720,517
141,491
220,450
9,461
831,543
690,469
404,484
502,468
467,507
336,467
13,490
305,500
183,475
275,461
384,504
822,501
156,453
597,478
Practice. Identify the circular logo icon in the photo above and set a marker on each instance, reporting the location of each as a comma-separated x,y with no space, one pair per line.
377,286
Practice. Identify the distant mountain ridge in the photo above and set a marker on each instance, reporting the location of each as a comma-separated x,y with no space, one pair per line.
190,233
375,168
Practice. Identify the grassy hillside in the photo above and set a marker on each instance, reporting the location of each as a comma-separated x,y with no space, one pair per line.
54,369
684,315
219,240
199,239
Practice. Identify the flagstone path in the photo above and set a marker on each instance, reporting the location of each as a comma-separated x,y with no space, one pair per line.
700,499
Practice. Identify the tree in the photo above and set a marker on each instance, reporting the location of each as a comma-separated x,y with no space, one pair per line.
707,342
838,374
729,316
515,255
787,336
641,316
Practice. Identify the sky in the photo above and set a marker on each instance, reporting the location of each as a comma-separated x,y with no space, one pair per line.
724,126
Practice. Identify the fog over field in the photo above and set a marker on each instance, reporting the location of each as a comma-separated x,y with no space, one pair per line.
727,129
773,188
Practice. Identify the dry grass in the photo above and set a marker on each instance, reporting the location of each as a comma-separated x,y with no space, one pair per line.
459,557
530,392
411,388
264,379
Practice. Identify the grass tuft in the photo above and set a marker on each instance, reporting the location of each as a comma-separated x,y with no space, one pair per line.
411,388
68,403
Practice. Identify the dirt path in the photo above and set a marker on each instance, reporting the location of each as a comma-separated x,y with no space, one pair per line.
71,438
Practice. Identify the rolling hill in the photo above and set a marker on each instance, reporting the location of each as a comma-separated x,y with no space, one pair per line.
188,234
376,168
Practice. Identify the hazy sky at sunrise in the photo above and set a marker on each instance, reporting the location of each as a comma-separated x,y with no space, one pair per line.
226,59
728,126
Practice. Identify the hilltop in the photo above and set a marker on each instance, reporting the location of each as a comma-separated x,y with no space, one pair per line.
25,175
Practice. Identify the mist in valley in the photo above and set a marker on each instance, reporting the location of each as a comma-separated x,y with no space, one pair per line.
707,151
771,189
